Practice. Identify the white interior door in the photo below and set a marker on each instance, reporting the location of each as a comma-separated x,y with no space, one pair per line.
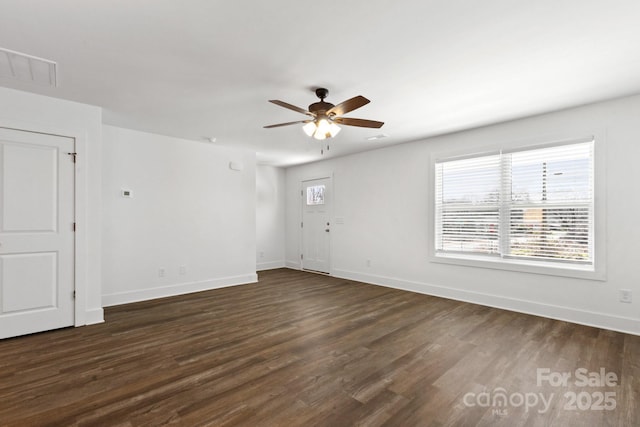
316,225
36,232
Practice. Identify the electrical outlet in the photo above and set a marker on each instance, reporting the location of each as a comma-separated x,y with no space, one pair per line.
161,272
183,270
368,263
261,254
626,296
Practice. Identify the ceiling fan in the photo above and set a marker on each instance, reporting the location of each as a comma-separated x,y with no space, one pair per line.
325,116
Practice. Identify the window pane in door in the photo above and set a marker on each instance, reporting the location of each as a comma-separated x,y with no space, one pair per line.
315,195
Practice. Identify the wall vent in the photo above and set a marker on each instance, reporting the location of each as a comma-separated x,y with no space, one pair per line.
27,68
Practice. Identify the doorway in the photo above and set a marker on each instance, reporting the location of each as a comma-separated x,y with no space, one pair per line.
316,225
37,232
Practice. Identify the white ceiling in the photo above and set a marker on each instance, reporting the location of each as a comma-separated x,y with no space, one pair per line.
205,68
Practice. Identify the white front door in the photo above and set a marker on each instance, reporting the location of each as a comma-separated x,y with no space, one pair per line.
316,225
36,232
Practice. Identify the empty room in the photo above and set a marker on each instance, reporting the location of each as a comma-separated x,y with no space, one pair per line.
285,213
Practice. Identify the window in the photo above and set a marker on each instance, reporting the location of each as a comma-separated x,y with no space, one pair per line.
533,206
315,195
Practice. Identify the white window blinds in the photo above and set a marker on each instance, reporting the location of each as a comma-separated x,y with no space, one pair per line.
468,205
530,205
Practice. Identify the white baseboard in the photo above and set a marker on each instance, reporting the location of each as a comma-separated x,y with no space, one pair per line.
94,316
261,266
294,265
177,289
568,314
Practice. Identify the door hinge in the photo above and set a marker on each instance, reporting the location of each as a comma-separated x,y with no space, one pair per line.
74,295
73,155
301,256
302,225
301,193
74,226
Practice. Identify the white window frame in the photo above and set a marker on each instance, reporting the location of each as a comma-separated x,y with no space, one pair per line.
597,271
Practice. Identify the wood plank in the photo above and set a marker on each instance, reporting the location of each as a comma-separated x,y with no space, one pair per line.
307,349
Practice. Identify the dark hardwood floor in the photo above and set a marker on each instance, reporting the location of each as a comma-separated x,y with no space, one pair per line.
300,349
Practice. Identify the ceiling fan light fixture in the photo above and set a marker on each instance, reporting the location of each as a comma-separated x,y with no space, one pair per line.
334,129
309,128
323,127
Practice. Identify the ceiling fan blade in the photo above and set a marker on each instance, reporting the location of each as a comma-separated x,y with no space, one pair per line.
290,107
286,124
348,105
358,122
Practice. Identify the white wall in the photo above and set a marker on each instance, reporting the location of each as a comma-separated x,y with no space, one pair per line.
270,217
188,209
382,196
29,111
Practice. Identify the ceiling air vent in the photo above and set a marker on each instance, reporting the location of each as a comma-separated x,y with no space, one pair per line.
375,137
20,66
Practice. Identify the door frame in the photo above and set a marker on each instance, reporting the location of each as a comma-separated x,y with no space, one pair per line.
80,210
329,176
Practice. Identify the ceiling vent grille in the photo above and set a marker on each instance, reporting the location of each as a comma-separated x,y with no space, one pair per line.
27,68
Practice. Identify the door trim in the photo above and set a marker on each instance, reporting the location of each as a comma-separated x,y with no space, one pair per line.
328,175
80,212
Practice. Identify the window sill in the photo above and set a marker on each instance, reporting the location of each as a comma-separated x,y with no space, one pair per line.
522,266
